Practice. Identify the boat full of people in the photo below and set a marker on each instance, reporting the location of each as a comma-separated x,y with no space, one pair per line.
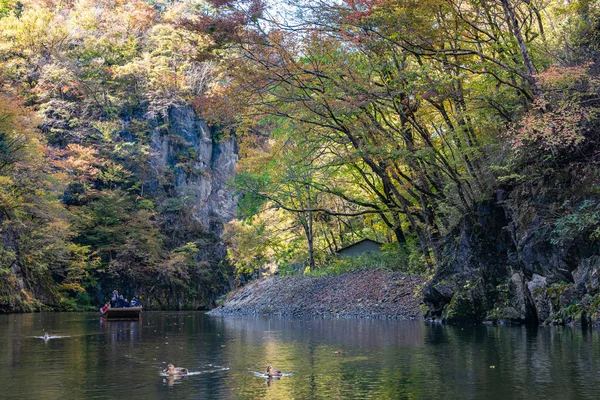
120,308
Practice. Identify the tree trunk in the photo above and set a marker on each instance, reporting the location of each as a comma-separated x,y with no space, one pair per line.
398,229
514,24
307,225
309,237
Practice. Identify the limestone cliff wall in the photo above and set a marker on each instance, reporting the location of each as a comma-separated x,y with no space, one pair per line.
203,163
501,265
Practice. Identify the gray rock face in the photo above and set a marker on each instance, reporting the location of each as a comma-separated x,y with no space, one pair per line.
520,304
474,279
203,164
503,267
538,286
585,276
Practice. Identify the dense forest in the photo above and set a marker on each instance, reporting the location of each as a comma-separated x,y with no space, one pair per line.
462,134
109,178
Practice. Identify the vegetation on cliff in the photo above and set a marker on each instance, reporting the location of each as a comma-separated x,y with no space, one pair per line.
92,151
463,134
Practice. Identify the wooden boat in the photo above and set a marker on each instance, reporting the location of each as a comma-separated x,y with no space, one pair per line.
127,313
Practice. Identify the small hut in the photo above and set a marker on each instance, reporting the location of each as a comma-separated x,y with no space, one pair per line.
359,248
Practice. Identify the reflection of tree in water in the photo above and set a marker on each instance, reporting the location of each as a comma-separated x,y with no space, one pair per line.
404,359
542,361
378,359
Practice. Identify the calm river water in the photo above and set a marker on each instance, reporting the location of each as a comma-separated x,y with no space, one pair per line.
327,359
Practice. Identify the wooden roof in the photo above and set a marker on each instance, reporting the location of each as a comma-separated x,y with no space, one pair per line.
359,242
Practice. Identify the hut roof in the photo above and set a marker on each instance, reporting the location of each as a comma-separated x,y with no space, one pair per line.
343,249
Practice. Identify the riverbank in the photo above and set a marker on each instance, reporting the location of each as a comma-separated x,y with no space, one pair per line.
360,294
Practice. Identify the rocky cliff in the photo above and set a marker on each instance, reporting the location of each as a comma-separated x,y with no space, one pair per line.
503,265
202,161
140,208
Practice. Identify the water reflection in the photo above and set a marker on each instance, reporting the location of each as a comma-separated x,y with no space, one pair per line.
122,331
326,358
172,380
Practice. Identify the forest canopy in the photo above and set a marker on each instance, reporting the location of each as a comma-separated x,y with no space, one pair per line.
393,120
89,89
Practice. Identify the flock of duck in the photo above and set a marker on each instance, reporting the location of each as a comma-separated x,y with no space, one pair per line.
172,370
179,371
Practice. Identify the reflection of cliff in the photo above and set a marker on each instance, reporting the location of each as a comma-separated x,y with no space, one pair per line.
378,359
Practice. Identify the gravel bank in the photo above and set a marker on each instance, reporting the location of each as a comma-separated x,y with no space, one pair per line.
362,294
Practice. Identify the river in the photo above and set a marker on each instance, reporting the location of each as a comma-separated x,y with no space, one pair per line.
323,358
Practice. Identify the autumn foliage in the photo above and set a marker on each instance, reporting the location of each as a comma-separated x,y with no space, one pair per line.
384,119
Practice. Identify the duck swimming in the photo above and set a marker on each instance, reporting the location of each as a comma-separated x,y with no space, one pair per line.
271,372
172,370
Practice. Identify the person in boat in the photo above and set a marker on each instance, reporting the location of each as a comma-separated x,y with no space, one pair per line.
172,370
134,302
121,302
114,300
106,307
270,372
46,336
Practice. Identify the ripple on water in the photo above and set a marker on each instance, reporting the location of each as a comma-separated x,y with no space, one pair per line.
262,375
379,359
191,373
50,337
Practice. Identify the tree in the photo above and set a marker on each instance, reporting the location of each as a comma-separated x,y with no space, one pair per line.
408,106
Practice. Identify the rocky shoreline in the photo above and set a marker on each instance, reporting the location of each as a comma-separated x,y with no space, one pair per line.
357,294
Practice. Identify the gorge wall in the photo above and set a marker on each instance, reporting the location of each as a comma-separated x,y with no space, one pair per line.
502,265
192,164
201,177
141,209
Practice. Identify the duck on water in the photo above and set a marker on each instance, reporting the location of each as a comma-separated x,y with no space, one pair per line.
48,336
270,372
172,370
176,371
